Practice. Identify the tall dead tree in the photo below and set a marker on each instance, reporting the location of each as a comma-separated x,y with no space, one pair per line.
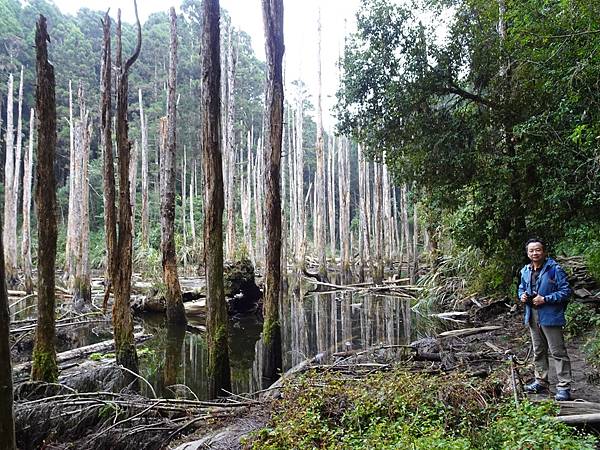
79,247
108,169
230,237
26,227
72,225
10,221
175,310
145,215
121,261
7,418
300,233
44,367
320,240
216,320
274,48
331,193
133,183
344,196
378,224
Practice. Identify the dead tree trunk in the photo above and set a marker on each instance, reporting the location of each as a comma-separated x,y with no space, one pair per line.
344,196
407,240
7,419
81,285
216,320
17,171
378,225
175,311
121,272
331,194
144,133
193,193
230,152
72,228
10,246
271,334
44,366
26,230
110,215
320,239
300,209
133,183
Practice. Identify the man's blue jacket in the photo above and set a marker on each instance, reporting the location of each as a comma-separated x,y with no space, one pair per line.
553,285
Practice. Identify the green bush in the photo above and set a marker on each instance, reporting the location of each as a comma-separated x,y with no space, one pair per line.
399,409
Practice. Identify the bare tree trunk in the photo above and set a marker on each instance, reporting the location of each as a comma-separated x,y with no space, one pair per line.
320,239
109,195
121,274
216,320
133,183
145,216
183,205
301,222
344,216
17,171
230,152
407,240
331,194
193,193
363,232
72,229
80,277
378,224
7,418
246,200
10,249
388,227
44,366
26,230
271,335
415,253
175,311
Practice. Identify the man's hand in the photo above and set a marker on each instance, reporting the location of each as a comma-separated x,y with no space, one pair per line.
538,300
524,297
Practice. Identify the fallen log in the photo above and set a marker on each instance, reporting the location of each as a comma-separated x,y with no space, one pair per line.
579,419
82,352
468,331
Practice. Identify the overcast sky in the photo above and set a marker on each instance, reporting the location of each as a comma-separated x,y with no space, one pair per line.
300,29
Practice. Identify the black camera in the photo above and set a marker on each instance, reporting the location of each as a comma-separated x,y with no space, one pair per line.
530,297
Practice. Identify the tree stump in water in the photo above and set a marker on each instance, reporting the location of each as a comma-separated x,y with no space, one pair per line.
241,290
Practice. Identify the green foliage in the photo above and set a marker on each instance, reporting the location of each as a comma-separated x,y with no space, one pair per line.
583,239
499,154
101,356
406,410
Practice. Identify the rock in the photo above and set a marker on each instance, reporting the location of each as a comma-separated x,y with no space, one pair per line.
582,292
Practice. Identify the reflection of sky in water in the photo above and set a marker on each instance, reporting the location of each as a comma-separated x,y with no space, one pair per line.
321,323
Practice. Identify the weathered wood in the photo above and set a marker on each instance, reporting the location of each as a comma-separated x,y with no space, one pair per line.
469,331
230,237
145,213
216,321
175,311
109,195
7,422
44,353
579,419
10,250
274,47
26,227
121,271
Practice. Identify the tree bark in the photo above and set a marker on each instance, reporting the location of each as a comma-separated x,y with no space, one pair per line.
72,229
320,239
80,277
331,194
26,228
121,274
7,419
274,48
44,367
10,250
145,215
378,225
175,310
216,320
230,152
109,195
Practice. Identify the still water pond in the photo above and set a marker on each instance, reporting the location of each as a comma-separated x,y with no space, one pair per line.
312,324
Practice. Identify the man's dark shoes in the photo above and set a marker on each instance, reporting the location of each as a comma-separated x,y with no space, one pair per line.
536,388
562,395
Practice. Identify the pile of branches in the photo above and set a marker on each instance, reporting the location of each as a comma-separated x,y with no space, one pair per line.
107,420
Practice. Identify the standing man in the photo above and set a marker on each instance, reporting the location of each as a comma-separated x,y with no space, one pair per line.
544,289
